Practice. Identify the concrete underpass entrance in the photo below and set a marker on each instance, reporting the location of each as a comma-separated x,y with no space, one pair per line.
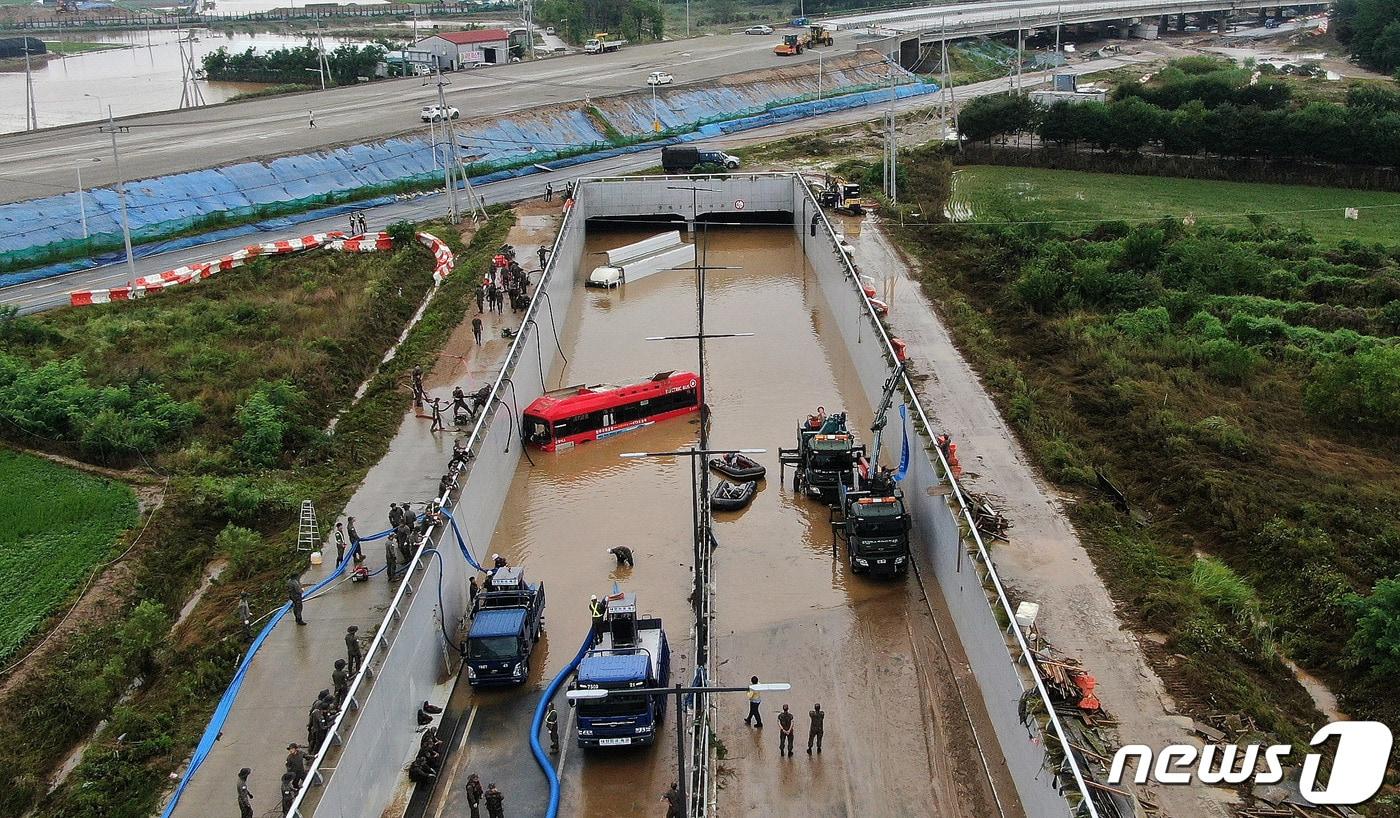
897,736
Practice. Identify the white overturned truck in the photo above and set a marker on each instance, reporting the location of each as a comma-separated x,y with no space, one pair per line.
631,262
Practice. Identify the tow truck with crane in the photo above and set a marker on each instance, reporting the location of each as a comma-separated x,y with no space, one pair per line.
825,457
871,517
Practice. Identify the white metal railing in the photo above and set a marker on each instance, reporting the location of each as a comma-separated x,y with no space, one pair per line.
960,18
982,554
382,638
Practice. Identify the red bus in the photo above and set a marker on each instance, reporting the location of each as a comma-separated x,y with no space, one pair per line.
576,414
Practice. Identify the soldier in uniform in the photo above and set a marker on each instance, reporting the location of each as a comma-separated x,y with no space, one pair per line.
289,792
294,596
296,764
814,733
245,798
785,731
339,543
402,534
340,682
673,801
395,515
352,649
474,794
551,722
355,553
495,802
391,559
623,554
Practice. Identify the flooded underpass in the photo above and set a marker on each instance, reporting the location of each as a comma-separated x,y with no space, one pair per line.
872,652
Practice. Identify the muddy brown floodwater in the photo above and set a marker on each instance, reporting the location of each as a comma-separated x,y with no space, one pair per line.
897,739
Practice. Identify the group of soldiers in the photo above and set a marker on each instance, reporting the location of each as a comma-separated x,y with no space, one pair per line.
493,798
507,280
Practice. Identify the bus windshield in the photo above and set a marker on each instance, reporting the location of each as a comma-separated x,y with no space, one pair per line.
536,430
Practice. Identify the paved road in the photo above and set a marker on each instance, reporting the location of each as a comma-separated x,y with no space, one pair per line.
41,163
1003,15
46,294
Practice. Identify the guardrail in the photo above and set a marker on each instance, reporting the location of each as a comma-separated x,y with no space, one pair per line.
933,21
387,630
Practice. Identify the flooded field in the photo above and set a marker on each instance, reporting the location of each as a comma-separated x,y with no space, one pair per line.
897,738
141,76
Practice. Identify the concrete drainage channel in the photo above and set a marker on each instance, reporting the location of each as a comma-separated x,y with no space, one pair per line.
359,776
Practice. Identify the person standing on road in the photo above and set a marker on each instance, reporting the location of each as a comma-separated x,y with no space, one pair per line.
549,191
544,255
417,385
391,559
438,425
814,732
755,699
296,764
340,682
339,543
474,794
294,596
673,801
245,616
245,798
310,119
476,330
480,297
395,515
785,732
356,553
495,802
352,649
551,723
623,554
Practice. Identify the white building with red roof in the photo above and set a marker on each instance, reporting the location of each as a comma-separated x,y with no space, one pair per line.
463,49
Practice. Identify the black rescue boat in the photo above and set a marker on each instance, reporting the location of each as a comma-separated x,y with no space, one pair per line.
729,496
735,466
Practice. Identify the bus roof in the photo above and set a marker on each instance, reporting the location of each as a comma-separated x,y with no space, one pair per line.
580,400
497,622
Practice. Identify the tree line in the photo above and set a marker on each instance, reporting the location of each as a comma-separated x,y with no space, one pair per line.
578,20
1218,112
1371,29
293,65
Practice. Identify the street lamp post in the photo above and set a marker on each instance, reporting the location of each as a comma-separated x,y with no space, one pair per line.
99,104
318,72
679,691
82,209
121,197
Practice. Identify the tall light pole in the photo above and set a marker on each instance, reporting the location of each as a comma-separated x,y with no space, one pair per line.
31,122
99,104
450,165
82,209
121,197
819,76
679,692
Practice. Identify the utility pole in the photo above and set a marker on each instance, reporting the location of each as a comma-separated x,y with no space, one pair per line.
31,116
121,197
190,95
527,8
450,165
1020,51
819,76
82,208
891,146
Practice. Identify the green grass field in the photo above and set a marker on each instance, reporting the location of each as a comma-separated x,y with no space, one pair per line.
55,525
1060,195
66,47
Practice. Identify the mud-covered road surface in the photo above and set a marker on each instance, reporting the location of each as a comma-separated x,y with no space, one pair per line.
898,695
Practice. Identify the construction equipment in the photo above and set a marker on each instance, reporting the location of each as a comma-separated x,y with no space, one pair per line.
842,197
819,35
791,45
825,457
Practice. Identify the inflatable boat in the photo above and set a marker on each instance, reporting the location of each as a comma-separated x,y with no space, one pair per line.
737,467
729,496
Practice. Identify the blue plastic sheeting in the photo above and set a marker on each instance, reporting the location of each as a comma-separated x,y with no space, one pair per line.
216,722
546,765
281,223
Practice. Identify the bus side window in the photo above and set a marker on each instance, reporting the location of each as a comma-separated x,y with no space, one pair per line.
630,412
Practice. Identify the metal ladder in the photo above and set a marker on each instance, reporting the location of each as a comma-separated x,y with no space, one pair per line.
308,533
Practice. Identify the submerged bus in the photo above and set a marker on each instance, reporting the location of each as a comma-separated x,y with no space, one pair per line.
577,414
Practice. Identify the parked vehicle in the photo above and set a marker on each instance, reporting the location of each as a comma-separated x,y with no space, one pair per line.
603,42
791,45
684,158
874,525
660,78
437,113
631,653
759,30
507,623
819,35
825,457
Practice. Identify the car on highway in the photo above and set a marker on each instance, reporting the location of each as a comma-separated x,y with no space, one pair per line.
759,30
437,113
660,78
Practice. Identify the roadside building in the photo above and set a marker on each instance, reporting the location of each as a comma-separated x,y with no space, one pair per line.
454,50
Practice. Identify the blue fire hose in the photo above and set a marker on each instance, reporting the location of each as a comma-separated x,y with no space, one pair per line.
216,722
549,693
